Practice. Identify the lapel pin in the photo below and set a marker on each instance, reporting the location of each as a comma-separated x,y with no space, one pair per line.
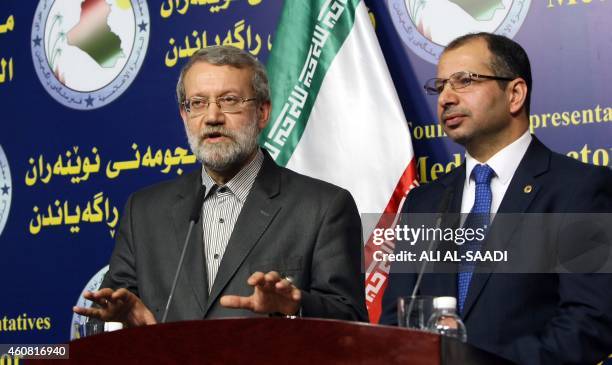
527,189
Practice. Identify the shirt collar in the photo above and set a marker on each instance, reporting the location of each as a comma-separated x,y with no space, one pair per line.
504,162
240,185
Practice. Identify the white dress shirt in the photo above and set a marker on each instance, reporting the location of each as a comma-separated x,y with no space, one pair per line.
504,163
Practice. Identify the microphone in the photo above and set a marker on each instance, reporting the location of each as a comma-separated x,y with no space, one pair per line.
442,209
194,217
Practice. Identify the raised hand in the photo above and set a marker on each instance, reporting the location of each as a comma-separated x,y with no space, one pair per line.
117,306
271,294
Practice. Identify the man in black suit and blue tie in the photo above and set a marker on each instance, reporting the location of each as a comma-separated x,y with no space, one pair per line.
484,86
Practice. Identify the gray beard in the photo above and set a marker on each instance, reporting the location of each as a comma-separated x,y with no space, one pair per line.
224,155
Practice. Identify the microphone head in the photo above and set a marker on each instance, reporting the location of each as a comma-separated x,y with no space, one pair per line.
197,207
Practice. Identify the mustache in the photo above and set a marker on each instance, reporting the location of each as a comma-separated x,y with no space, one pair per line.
212,132
451,110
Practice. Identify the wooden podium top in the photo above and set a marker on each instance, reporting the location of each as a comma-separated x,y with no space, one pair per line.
272,341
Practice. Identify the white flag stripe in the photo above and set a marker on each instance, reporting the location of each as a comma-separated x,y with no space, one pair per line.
357,136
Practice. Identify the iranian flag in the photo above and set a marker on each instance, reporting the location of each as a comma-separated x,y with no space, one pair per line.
336,115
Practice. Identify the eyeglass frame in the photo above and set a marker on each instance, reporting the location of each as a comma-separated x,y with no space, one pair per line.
472,77
215,100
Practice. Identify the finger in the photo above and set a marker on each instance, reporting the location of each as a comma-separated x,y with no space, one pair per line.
94,295
257,278
284,291
296,295
268,281
284,285
102,293
273,277
122,294
100,297
88,312
237,302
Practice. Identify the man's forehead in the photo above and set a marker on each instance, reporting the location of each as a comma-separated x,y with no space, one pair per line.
202,67
206,73
472,56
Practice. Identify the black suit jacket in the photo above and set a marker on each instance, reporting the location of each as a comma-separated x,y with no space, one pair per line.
290,223
527,318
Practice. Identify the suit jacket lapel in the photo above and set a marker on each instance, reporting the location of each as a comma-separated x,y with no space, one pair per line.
194,266
257,213
522,190
535,163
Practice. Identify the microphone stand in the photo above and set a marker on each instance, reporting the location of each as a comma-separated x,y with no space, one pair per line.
193,219
443,208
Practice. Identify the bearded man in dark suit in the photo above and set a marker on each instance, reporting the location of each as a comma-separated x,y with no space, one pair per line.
270,241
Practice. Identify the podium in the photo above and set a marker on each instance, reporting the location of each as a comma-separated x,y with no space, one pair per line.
272,341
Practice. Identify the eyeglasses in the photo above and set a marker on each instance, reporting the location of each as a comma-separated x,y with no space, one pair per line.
197,105
458,80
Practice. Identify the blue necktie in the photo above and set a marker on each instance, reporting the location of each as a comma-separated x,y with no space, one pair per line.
478,218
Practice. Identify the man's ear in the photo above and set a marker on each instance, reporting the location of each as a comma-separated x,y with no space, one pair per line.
263,114
517,95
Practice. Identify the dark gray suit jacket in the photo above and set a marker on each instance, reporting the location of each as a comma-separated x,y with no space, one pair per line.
290,223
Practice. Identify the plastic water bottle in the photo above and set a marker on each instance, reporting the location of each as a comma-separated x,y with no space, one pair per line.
445,321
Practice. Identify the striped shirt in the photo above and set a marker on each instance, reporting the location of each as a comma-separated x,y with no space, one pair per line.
221,208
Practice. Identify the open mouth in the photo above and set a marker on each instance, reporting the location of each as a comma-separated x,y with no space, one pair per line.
214,137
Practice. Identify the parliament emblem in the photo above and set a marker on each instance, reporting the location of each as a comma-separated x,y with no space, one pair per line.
87,53
92,285
5,190
427,26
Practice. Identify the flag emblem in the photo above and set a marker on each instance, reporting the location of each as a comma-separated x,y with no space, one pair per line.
87,53
6,190
427,26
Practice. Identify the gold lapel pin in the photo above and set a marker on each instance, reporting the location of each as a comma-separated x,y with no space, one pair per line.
527,189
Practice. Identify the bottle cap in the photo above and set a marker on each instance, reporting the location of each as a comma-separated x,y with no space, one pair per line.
445,303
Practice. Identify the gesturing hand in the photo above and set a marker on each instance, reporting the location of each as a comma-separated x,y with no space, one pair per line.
271,294
117,306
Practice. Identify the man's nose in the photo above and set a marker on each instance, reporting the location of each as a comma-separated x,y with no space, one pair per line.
448,96
214,115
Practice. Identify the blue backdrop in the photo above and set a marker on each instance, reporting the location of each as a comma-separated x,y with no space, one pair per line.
88,114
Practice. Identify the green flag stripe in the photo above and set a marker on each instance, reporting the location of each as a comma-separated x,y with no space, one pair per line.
309,35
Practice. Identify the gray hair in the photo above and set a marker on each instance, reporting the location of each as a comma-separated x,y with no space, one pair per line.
228,56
